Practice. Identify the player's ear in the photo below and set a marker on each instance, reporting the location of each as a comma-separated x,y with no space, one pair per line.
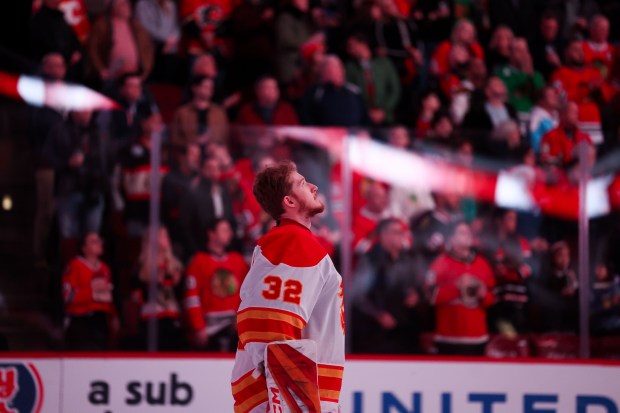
288,201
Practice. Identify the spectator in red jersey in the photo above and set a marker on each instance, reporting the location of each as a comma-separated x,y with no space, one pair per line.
387,295
212,297
459,59
597,51
559,145
166,308
577,82
461,285
87,289
509,253
118,44
267,109
463,34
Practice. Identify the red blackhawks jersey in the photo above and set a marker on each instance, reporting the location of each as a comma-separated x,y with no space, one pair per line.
459,320
212,290
77,290
557,147
291,292
599,56
576,84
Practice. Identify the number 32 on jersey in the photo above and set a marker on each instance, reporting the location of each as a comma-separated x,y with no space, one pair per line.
288,291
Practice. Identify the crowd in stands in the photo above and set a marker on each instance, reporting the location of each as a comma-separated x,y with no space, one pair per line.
518,82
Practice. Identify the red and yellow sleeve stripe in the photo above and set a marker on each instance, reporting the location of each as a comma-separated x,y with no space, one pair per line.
330,382
264,325
249,392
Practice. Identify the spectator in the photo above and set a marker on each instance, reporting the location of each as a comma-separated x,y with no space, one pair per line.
376,77
131,188
558,146
605,305
293,29
46,125
50,33
463,34
544,116
441,134
175,185
430,104
470,91
212,296
396,38
267,109
509,254
252,31
200,121
459,59
207,201
577,82
597,52
485,116
498,53
388,295
547,45
461,284
516,14
122,127
434,20
521,80
506,143
202,26
166,305
560,310
313,56
118,44
333,102
82,177
430,228
87,289
160,19
365,221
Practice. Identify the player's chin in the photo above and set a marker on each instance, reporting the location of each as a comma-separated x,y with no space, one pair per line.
318,208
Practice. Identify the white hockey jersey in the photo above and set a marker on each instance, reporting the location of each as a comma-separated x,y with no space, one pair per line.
291,292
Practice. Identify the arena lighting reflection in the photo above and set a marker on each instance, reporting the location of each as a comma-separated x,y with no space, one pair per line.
514,187
57,95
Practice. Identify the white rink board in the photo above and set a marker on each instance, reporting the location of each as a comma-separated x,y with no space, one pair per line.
181,383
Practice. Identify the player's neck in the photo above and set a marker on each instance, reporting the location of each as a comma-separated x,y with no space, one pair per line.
303,220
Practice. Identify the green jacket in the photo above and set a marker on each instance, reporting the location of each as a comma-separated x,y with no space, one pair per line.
522,87
387,87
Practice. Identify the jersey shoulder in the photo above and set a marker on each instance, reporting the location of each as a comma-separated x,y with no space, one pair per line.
293,245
